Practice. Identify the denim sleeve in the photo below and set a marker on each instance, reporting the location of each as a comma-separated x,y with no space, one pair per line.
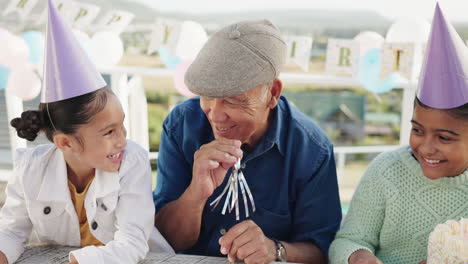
317,214
174,172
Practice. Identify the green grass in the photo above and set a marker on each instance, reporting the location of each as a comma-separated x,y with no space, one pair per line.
156,115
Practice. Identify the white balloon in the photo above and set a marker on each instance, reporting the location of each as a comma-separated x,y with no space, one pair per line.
414,30
369,40
24,83
192,37
84,40
14,52
107,49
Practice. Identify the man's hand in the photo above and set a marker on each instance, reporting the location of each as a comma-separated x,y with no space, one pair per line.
3,258
211,162
72,260
363,256
246,241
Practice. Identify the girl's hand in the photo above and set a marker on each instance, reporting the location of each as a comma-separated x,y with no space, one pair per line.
363,257
422,262
3,258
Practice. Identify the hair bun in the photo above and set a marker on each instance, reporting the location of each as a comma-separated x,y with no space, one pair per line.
28,125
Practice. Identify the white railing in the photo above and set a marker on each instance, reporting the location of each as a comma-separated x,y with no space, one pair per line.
340,154
126,83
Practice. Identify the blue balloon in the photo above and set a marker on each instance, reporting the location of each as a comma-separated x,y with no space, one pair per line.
4,72
168,60
35,41
369,71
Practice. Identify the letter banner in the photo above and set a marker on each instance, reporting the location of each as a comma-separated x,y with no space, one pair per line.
299,50
399,57
342,57
163,34
65,8
115,21
84,14
22,7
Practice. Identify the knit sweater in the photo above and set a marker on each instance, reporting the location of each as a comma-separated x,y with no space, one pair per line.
395,208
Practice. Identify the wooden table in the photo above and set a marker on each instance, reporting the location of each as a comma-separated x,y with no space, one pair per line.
59,255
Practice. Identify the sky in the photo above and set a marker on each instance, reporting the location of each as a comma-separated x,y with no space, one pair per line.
455,10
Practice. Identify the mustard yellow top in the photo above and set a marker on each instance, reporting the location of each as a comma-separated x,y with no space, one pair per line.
87,239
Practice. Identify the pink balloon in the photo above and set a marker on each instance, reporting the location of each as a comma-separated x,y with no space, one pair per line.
24,83
179,73
14,52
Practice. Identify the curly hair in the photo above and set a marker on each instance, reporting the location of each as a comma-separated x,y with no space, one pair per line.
64,116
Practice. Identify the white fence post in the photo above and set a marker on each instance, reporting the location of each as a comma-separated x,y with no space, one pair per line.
14,106
119,84
341,163
138,113
407,112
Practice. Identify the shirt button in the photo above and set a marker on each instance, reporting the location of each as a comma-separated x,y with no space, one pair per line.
47,210
222,231
94,225
104,207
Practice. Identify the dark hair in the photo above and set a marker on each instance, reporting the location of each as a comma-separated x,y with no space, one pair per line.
460,112
66,115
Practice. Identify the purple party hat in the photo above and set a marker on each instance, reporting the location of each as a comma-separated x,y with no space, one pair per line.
443,82
68,71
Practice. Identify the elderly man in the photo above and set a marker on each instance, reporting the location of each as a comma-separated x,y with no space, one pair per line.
287,160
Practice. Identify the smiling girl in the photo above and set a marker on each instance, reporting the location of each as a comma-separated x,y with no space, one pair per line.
405,193
91,188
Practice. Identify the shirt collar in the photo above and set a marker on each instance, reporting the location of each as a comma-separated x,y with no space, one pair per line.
54,187
275,133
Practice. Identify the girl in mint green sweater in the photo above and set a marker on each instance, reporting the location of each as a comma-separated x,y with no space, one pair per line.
405,193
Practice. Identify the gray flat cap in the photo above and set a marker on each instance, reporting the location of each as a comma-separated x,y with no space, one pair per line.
236,59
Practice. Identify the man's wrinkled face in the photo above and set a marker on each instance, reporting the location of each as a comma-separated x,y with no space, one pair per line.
243,117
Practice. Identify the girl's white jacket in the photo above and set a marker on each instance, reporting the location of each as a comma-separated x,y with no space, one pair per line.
119,207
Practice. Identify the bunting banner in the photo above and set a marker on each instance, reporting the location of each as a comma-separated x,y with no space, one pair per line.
65,8
400,58
164,33
181,40
299,51
84,14
115,21
342,57
21,7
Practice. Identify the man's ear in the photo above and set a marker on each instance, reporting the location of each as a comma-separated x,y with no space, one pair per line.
276,89
63,142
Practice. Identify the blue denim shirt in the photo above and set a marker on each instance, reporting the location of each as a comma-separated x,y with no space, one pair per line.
291,173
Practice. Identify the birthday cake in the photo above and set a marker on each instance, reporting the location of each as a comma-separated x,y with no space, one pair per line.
448,243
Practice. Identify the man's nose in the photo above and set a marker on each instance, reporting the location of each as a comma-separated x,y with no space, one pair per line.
218,111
